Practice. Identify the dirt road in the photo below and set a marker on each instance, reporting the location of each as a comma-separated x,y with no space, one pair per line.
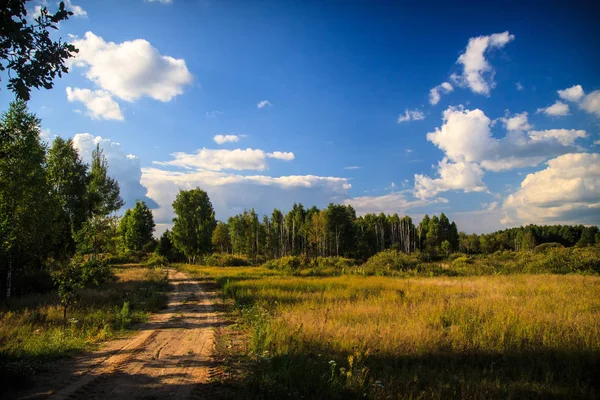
169,358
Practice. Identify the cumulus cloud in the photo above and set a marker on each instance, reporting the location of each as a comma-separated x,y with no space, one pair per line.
466,136
517,123
466,139
232,193
573,94
220,139
76,10
464,176
557,109
435,94
132,69
567,191
477,72
125,168
99,103
263,104
590,103
221,159
414,115
396,202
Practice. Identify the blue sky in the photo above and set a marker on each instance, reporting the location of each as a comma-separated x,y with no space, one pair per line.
349,114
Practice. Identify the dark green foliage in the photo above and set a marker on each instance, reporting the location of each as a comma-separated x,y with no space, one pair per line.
194,224
27,211
26,49
166,248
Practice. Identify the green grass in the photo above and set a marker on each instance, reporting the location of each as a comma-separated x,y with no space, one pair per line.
33,332
513,336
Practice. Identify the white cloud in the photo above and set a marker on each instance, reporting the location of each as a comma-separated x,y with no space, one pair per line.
596,142
217,160
477,72
516,123
76,10
99,103
557,109
263,104
589,103
131,69
567,191
573,94
470,148
220,139
464,176
435,94
519,86
414,115
396,202
281,155
352,167
566,137
232,193
466,136
125,168
160,1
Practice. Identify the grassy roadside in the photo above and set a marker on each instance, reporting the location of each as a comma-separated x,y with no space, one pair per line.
382,337
32,330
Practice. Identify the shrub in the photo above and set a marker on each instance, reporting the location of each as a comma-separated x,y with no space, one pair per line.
542,248
224,260
156,260
390,261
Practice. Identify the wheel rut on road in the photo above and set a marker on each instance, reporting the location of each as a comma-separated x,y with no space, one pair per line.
171,356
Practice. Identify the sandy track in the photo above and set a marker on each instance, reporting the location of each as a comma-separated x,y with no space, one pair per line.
170,357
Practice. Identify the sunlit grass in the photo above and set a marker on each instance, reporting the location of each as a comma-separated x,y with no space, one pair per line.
490,336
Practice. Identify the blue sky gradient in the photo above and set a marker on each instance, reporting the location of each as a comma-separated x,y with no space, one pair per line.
337,77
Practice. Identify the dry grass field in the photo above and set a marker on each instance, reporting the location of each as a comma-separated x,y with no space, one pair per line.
515,336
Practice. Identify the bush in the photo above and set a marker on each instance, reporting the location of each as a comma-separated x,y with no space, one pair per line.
542,248
311,266
96,272
390,261
156,260
224,260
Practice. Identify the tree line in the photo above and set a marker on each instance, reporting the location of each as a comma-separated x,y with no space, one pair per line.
54,207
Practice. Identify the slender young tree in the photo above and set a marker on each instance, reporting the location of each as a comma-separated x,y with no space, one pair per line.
103,191
194,224
67,177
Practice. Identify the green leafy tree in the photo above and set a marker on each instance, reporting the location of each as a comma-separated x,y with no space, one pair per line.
26,50
166,248
67,177
103,191
588,236
136,227
26,208
220,237
194,224
446,248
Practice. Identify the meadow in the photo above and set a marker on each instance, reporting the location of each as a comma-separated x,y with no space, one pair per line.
355,336
33,332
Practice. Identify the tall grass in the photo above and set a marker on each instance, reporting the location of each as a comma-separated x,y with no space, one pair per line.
442,337
33,332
